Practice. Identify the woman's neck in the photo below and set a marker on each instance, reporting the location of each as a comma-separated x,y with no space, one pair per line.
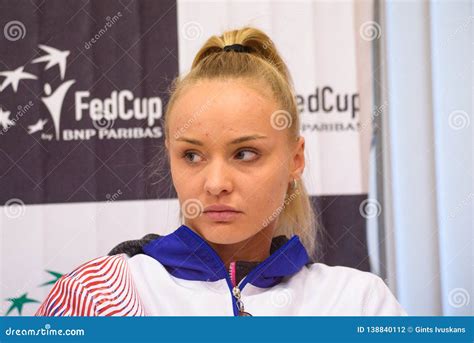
255,248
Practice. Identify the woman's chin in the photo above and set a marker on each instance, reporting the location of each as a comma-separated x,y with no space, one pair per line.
224,234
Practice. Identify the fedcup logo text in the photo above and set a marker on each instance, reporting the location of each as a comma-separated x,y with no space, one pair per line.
97,117
120,105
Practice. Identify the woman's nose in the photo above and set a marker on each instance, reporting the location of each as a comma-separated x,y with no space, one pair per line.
218,178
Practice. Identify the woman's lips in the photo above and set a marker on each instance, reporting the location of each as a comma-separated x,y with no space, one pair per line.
222,216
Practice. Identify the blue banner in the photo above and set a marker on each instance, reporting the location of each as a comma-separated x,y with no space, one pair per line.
237,329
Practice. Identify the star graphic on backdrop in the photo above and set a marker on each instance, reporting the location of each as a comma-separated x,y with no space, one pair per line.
19,302
53,57
56,278
13,77
4,120
38,126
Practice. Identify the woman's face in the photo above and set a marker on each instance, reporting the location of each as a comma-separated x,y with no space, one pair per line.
226,149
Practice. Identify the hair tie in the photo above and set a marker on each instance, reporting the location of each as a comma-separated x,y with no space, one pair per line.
237,48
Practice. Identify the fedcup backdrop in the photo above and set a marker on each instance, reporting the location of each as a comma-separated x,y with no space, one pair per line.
83,91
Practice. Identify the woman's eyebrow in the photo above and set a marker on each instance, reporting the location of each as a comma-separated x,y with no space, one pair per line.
235,141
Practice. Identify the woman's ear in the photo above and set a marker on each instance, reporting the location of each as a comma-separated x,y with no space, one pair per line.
298,159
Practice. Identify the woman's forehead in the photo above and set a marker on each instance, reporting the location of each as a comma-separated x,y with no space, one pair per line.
212,106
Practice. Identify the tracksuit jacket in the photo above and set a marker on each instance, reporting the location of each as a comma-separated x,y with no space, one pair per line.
180,274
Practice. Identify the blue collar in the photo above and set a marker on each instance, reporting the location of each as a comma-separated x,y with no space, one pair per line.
186,255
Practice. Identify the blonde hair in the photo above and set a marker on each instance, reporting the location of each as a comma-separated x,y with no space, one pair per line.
262,63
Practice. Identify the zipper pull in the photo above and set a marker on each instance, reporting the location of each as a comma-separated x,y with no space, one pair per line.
240,304
232,273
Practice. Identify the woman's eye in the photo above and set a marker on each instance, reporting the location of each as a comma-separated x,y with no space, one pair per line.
251,155
190,156
243,155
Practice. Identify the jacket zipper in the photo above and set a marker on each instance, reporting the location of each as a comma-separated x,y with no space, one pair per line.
219,261
237,290
238,305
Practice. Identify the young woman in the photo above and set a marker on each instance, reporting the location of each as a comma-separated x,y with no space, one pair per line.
247,243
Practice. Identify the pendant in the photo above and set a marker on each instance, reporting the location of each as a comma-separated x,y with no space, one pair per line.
244,314
240,304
